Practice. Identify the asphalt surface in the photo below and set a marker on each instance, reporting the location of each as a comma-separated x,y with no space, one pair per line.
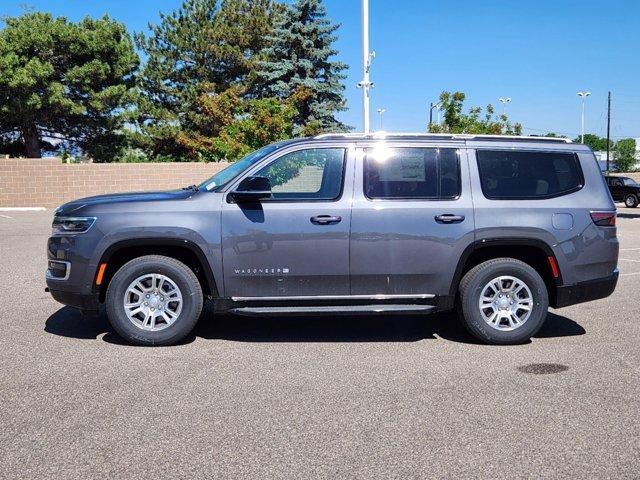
379,397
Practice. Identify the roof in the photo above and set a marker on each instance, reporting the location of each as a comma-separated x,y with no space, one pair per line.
440,136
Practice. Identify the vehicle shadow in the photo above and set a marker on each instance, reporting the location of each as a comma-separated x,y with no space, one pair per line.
69,322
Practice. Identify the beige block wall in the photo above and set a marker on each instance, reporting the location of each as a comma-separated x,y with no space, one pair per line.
47,182
634,175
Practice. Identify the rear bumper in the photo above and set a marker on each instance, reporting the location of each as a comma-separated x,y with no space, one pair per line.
586,291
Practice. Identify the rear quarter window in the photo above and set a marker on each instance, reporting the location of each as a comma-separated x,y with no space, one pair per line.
513,175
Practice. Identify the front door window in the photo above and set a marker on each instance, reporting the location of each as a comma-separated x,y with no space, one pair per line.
314,174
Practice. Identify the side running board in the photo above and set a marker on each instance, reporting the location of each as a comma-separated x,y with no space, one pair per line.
334,310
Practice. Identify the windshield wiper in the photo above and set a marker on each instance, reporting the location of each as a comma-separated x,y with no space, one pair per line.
191,187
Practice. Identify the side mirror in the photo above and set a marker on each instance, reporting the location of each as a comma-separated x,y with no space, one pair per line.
252,189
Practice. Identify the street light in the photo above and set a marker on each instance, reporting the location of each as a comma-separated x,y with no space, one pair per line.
504,102
437,106
583,96
367,58
380,112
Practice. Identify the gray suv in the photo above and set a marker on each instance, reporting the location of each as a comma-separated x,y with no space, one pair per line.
499,228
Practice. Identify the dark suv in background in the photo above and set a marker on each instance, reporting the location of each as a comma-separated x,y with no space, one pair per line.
624,189
499,228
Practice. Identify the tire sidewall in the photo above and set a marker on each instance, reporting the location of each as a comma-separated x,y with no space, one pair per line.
473,317
191,302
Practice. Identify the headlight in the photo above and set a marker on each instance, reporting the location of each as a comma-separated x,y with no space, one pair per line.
72,224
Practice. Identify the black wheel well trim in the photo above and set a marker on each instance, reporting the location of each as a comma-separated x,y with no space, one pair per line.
502,241
161,242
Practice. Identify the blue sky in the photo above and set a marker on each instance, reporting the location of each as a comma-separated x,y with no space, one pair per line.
539,53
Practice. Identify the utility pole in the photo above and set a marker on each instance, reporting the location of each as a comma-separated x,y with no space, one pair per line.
367,57
608,129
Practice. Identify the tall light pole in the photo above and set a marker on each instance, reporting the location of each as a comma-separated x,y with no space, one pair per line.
583,97
380,112
504,102
367,57
432,105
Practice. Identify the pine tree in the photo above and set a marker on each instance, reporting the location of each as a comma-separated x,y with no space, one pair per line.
204,47
65,80
298,64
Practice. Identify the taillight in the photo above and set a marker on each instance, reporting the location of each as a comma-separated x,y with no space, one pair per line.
604,219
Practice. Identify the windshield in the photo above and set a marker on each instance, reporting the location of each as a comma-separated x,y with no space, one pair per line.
629,181
223,177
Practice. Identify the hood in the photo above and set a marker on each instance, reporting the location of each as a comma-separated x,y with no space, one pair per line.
116,198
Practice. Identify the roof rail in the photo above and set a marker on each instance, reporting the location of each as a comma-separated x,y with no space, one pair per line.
452,136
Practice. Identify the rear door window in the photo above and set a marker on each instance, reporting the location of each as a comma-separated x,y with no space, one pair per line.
512,175
406,173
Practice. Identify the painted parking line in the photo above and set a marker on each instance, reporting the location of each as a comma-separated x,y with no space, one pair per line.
629,260
22,209
629,249
5,216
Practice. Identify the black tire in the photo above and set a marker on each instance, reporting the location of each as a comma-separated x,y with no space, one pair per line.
471,288
631,201
180,274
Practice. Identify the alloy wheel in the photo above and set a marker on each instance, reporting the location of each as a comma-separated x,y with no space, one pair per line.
153,302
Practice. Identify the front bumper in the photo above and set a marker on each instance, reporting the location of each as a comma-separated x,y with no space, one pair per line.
86,303
70,281
586,291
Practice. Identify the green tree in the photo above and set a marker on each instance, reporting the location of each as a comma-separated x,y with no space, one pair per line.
65,80
624,155
596,143
473,122
235,126
299,55
203,47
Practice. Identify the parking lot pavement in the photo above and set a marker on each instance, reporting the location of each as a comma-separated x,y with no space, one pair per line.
380,397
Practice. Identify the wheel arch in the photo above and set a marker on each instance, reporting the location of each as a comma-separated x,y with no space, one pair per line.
534,252
186,251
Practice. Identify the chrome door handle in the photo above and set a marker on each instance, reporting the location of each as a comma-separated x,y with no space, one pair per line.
448,218
325,219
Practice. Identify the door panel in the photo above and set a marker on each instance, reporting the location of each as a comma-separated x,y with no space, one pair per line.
298,243
407,245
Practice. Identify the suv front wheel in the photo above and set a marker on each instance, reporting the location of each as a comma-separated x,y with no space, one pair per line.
154,300
503,301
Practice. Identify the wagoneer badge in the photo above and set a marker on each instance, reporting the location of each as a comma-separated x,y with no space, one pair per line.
261,271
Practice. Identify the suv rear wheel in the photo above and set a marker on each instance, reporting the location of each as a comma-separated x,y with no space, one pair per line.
503,301
154,300
631,201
